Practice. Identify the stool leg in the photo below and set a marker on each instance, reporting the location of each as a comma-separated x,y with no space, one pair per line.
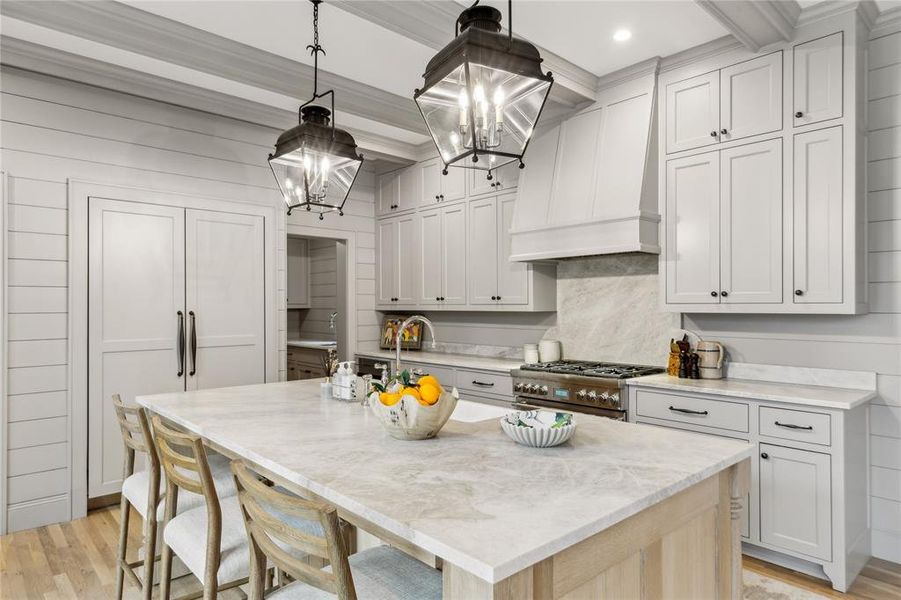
124,514
149,554
166,558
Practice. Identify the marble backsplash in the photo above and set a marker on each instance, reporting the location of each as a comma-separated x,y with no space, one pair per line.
608,308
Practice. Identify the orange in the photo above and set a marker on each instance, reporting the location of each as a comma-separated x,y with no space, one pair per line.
389,399
428,380
411,391
430,393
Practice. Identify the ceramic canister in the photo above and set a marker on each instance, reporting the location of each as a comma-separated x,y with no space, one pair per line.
549,350
530,353
711,359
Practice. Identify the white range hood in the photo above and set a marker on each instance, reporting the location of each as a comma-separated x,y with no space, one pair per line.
590,182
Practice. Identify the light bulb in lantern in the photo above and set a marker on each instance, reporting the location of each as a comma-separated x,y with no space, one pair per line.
499,106
307,163
464,106
454,138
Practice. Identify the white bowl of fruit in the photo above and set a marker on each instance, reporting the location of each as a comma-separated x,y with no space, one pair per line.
410,408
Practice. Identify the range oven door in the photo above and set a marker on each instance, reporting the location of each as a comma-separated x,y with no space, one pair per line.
524,403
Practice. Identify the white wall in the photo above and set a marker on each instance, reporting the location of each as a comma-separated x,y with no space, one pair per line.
871,342
52,131
314,322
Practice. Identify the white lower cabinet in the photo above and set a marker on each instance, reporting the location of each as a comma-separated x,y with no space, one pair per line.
808,495
796,500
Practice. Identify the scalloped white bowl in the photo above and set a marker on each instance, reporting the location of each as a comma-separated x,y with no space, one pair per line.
410,420
540,432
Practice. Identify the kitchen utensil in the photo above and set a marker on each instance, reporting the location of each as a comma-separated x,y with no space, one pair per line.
672,366
538,428
711,355
530,354
549,350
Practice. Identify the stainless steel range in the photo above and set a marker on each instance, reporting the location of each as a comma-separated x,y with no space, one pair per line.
593,388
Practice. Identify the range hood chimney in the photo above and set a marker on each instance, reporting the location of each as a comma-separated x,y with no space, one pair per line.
590,182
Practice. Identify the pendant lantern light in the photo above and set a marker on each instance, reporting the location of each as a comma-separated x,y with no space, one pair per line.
315,164
483,93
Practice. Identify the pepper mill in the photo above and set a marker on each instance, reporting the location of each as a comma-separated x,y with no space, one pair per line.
683,365
694,369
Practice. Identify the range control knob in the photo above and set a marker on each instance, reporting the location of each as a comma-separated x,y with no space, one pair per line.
581,394
543,390
615,401
531,388
593,397
605,395
518,387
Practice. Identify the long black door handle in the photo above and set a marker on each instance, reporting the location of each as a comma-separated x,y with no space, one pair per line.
193,343
181,343
482,383
688,411
790,426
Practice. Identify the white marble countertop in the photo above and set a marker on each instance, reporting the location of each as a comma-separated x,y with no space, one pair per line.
313,344
471,496
466,361
794,393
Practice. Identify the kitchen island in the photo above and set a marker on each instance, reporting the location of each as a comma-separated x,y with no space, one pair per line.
622,510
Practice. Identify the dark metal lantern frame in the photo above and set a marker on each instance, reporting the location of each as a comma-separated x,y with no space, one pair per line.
316,133
479,41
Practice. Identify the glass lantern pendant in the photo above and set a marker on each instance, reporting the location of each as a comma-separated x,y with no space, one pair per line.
483,93
315,164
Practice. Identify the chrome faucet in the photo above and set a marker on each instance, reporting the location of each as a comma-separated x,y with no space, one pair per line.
331,320
400,334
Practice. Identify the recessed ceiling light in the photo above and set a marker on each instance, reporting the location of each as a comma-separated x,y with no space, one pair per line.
621,35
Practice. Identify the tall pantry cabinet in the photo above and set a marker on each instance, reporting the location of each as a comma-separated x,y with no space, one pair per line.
760,178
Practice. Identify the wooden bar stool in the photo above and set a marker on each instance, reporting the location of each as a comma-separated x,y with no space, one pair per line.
375,573
144,488
209,539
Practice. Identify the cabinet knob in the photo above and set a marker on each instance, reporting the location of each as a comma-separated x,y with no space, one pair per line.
799,292
442,196
724,131
799,114
764,455
437,197
724,293
442,298
713,133
494,297
498,297
714,294
437,299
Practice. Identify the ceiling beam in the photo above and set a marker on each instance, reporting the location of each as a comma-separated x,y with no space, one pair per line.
755,23
432,24
29,56
128,28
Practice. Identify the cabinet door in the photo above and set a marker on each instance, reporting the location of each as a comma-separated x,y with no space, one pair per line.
387,193
796,500
407,263
692,112
224,289
431,182
692,229
576,165
453,254
386,261
453,185
298,273
818,80
506,178
429,257
818,203
479,184
483,257
751,223
512,277
751,97
409,187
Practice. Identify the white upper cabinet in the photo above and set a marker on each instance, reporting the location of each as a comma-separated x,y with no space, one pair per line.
504,178
387,201
407,259
751,97
298,273
693,112
796,500
409,188
512,277
483,227
692,229
386,234
818,217
431,182
818,79
736,102
751,223
453,254
430,251
437,187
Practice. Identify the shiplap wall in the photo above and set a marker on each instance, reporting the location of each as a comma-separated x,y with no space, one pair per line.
323,290
870,342
53,130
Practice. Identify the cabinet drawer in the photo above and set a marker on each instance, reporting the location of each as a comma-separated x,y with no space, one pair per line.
796,425
696,411
445,375
485,382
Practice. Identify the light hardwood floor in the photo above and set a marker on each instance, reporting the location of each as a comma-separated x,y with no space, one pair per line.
77,560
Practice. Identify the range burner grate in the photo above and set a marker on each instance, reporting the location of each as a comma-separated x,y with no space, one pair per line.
592,369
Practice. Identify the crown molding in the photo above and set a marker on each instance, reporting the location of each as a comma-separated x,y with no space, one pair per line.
828,9
432,24
20,54
887,23
755,23
131,29
716,47
642,69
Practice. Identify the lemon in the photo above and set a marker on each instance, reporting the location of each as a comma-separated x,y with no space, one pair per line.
389,398
429,380
430,393
411,391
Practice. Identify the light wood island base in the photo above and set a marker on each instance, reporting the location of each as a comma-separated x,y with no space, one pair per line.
687,546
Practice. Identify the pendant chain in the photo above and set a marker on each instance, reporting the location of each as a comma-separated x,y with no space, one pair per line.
315,48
